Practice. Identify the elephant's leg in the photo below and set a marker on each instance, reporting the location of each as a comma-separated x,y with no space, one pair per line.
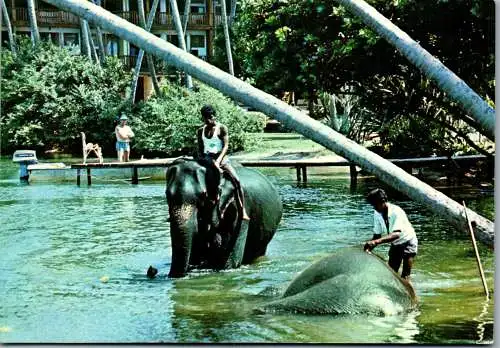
234,234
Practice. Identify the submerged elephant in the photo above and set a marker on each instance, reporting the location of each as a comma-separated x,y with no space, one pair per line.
350,281
206,228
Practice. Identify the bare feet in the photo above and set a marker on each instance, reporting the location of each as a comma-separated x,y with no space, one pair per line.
245,216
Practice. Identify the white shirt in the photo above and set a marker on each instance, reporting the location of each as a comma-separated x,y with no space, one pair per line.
122,132
398,221
214,144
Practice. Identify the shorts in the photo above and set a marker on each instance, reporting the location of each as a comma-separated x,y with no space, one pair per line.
210,156
123,145
403,250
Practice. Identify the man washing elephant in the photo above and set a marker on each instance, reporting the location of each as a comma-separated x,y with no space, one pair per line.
213,143
391,219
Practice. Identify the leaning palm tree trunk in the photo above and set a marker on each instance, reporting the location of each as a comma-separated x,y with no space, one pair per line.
232,14
138,63
92,45
292,118
227,40
100,42
85,44
187,11
35,34
151,65
180,35
6,18
457,89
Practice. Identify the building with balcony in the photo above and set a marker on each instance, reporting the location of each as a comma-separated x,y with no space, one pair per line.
64,28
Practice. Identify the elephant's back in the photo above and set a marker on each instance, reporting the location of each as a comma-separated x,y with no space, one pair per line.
350,261
261,192
347,282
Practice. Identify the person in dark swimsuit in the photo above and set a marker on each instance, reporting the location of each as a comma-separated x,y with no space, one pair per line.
213,143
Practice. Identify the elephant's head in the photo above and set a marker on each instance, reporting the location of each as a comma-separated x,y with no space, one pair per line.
193,198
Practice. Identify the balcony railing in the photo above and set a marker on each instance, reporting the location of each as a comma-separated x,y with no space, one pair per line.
165,19
44,17
56,17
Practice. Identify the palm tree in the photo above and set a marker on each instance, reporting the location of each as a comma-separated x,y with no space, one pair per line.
232,13
151,66
138,63
100,42
35,35
85,45
450,83
6,18
227,40
292,118
91,43
187,10
180,35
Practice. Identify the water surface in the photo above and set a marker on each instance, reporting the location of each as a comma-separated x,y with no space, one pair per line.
73,263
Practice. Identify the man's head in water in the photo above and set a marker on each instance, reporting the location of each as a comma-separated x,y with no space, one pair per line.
378,199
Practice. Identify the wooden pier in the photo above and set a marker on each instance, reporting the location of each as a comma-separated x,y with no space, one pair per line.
300,165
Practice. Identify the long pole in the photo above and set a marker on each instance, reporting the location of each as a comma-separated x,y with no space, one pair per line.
478,260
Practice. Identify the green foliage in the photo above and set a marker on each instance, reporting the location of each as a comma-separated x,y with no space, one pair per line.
169,124
314,47
48,96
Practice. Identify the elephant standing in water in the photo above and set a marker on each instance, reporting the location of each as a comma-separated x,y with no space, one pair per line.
350,281
206,228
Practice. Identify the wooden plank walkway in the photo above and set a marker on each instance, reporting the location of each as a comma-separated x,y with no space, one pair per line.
300,165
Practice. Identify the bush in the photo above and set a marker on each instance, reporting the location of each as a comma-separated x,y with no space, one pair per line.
169,124
48,96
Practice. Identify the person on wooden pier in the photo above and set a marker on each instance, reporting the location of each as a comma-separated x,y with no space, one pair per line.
123,136
391,219
213,143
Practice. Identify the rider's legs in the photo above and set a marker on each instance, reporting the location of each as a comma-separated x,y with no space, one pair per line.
226,166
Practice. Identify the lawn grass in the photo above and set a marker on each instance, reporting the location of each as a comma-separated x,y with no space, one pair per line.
276,144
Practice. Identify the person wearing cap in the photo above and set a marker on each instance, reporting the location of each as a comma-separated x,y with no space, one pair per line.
391,219
123,136
213,143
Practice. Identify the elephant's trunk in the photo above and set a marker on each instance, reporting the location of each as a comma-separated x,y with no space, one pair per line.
183,227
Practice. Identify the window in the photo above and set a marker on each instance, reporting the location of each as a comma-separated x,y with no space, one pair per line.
173,40
197,41
5,39
198,9
54,37
71,39
134,50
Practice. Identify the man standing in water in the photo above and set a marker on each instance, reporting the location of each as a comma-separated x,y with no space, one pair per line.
213,143
391,219
123,135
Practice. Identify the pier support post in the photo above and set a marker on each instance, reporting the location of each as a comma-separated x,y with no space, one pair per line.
135,175
78,177
304,173
89,177
298,174
354,175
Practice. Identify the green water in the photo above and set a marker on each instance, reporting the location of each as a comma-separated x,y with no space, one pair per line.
73,263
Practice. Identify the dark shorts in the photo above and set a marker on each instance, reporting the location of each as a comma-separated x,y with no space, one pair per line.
404,250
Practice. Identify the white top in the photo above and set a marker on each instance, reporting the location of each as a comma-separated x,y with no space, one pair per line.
123,133
214,144
398,221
